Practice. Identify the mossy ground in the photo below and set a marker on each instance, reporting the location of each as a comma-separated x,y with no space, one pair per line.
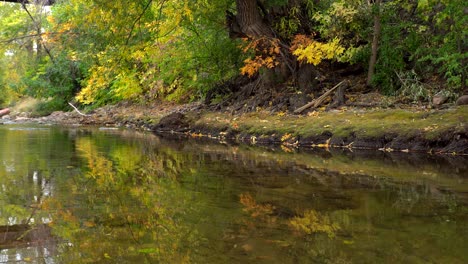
429,124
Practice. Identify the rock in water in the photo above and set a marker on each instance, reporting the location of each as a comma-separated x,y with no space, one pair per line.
173,122
463,100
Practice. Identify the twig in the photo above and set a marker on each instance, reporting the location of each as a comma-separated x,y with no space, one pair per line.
76,109
129,36
401,80
315,103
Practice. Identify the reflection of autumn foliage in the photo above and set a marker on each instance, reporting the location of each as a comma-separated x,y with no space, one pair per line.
128,197
314,222
253,208
259,215
100,168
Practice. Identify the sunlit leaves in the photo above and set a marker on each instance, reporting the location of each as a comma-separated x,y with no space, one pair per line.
347,20
171,49
316,51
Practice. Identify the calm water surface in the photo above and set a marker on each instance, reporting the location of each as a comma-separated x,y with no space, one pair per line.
76,195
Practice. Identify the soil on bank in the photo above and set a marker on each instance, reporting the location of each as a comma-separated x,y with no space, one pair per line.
389,129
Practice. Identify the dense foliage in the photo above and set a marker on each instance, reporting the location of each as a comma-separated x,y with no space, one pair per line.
98,52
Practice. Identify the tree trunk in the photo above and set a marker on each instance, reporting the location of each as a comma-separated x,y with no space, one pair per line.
375,42
250,20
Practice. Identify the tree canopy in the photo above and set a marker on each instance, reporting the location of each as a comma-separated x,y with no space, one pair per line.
97,52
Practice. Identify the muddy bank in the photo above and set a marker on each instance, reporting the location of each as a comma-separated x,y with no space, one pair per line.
389,130
442,132
449,143
385,130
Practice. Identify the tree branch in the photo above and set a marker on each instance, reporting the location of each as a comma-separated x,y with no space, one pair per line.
38,28
136,21
76,109
315,103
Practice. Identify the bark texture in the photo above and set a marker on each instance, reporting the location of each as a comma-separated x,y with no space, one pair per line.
250,20
375,42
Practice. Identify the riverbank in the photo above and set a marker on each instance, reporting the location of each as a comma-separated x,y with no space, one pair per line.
391,130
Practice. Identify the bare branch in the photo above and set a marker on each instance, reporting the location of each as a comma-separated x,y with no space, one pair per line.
38,28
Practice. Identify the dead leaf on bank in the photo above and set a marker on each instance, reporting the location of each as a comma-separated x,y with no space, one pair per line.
314,114
431,128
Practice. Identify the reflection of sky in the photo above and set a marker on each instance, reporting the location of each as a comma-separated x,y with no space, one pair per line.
40,188
40,254
9,166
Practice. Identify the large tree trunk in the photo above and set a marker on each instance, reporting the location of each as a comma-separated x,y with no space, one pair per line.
250,20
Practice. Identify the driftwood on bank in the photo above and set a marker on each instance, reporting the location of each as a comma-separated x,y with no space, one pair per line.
76,109
5,111
317,102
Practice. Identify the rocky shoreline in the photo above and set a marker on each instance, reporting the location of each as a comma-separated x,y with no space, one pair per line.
439,134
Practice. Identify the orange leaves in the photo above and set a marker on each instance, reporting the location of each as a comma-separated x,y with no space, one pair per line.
252,66
305,48
300,41
266,50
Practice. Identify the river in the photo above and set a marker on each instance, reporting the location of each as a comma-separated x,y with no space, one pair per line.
103,195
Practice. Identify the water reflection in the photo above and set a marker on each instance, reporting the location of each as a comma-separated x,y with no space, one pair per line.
111,196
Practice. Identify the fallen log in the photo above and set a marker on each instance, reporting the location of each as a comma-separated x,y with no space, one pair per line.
317,102
5,111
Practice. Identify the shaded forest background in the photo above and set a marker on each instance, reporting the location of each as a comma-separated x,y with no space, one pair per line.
96,52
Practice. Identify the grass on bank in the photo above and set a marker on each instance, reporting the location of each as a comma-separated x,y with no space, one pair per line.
366,124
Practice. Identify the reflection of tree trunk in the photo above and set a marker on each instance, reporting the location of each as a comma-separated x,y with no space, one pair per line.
375,42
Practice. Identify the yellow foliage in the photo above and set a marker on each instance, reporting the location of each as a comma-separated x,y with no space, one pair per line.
99,80
286,137
85,96
314,222
126,86
314,52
